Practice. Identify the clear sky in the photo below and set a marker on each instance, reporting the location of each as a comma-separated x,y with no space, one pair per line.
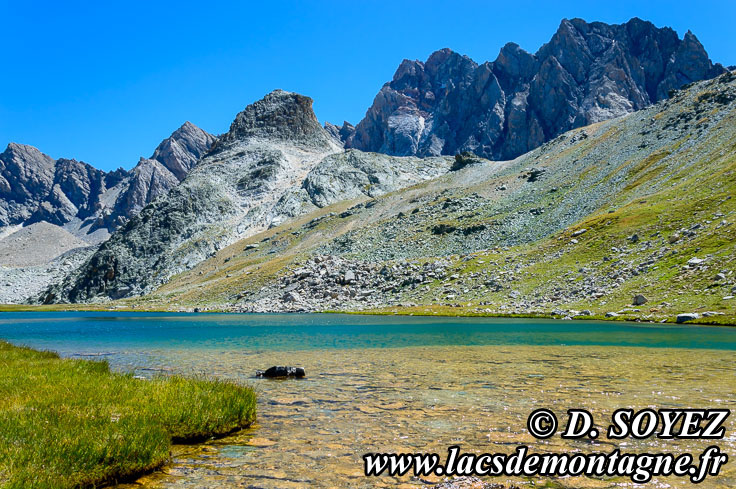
104,82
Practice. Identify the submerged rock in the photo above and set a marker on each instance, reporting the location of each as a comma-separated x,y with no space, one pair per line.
280,372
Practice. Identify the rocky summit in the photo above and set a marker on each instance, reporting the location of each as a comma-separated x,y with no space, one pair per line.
630,218
587,73
33,186
275,163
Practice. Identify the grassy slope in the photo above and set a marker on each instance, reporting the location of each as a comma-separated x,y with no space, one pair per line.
654,173
674,186
73,423
699,193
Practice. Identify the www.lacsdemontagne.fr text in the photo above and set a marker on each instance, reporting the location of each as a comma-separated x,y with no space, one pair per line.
640,467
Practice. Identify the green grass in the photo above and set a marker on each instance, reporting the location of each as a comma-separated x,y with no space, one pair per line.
72,423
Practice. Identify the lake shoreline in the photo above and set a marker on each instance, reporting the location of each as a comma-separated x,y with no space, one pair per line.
390,382
418,310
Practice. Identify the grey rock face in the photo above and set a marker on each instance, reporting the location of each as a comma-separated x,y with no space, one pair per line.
149,179
232,193
75,193
340,133
71,193
34,187
346,131
587,73
26,174
354,174
261,173
170,163
280,115
333,130
180,152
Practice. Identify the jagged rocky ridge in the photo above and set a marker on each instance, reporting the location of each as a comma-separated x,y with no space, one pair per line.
587,73
89,202
631,218
488,234
275,163
53,214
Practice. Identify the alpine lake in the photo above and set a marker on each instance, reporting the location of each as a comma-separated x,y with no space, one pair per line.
405,384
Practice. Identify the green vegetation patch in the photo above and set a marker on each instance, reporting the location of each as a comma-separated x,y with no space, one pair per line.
68,423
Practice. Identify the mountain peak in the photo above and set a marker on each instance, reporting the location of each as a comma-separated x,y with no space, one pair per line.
181,151
185,129
26,151
586,73
279,115
24,171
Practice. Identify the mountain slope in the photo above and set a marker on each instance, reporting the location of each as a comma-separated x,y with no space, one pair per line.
642,204
22,249
275,163
54,213
587,73
152,177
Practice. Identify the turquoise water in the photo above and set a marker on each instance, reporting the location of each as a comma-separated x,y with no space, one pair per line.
402,384
83,332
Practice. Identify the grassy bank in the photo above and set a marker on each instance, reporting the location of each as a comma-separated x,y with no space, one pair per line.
728,320
436,310
72,423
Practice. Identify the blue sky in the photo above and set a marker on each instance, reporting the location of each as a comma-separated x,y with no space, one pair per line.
104,82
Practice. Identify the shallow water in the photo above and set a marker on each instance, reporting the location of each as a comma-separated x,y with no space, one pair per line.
404,384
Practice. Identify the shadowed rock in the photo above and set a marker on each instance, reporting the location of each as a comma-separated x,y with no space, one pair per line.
587,72
281,372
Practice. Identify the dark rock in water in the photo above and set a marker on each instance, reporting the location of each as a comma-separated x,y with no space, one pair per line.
280,372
